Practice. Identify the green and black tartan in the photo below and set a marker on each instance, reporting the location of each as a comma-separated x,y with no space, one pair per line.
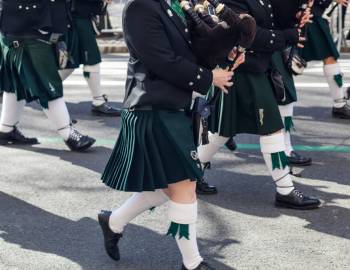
154,149
30,70
249,107
291,92
320,44
82,45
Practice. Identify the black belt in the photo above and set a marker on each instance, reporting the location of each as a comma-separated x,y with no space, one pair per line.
16,41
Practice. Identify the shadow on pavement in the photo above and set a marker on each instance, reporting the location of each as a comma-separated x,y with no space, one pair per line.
80,241
254,195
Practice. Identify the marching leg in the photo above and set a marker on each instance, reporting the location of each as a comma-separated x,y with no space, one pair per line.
205,155
113,223
334,78
10,117
58,115
294,158
273,150
100,104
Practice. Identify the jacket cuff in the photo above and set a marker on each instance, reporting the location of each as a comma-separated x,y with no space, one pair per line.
202,81
292,36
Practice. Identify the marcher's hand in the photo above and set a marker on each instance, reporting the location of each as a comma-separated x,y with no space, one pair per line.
239,61
301,40
222,79
108,1
306,18
343,2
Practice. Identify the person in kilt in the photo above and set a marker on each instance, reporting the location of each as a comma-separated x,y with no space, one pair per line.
287,15
29,69
251,106
83,50
155,155
321,47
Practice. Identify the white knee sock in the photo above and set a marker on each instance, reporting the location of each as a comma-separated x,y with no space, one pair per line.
286,112
11,112
333,74
58,115
206,152
93,78
134,206
65,73
272,148
183,219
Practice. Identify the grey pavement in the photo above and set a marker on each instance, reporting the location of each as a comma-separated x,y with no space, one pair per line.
49,197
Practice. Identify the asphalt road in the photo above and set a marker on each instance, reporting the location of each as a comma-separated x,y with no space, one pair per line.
49,197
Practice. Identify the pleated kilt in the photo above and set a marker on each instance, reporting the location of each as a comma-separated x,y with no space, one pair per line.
249,107
154,149
291,92
30,70
82,45
320,44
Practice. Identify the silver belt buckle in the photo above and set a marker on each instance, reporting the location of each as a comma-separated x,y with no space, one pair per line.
15,44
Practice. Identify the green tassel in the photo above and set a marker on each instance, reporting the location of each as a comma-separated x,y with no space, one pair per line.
284,159
339,79
275,161
184,231
86,74
288,123
173,229
279,160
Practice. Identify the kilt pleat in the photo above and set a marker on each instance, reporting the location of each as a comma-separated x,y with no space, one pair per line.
149,154
320,44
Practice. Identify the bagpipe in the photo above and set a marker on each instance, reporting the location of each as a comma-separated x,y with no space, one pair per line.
294,62
215,31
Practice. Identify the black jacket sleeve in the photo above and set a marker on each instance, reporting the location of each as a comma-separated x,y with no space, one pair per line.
148,38
266,40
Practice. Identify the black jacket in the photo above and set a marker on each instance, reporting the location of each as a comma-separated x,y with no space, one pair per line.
267,40
285,12
25,17
162,69
320,6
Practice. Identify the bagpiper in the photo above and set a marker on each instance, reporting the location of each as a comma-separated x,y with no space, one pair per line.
30,31
83,50
287,14
251,106
155,155
321,47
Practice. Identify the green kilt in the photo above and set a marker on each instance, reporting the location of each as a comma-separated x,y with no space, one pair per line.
320,44
82,45
154,149
288,81
249,107
30,70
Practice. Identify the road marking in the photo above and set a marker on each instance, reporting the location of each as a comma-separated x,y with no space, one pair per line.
244,146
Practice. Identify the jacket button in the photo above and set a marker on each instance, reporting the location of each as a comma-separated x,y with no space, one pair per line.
191,84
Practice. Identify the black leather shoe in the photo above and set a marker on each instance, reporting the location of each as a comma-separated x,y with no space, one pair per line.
16,137
231,144
105,109
297,200
78,142
342,113
202,266
298,160
203,188
111,238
